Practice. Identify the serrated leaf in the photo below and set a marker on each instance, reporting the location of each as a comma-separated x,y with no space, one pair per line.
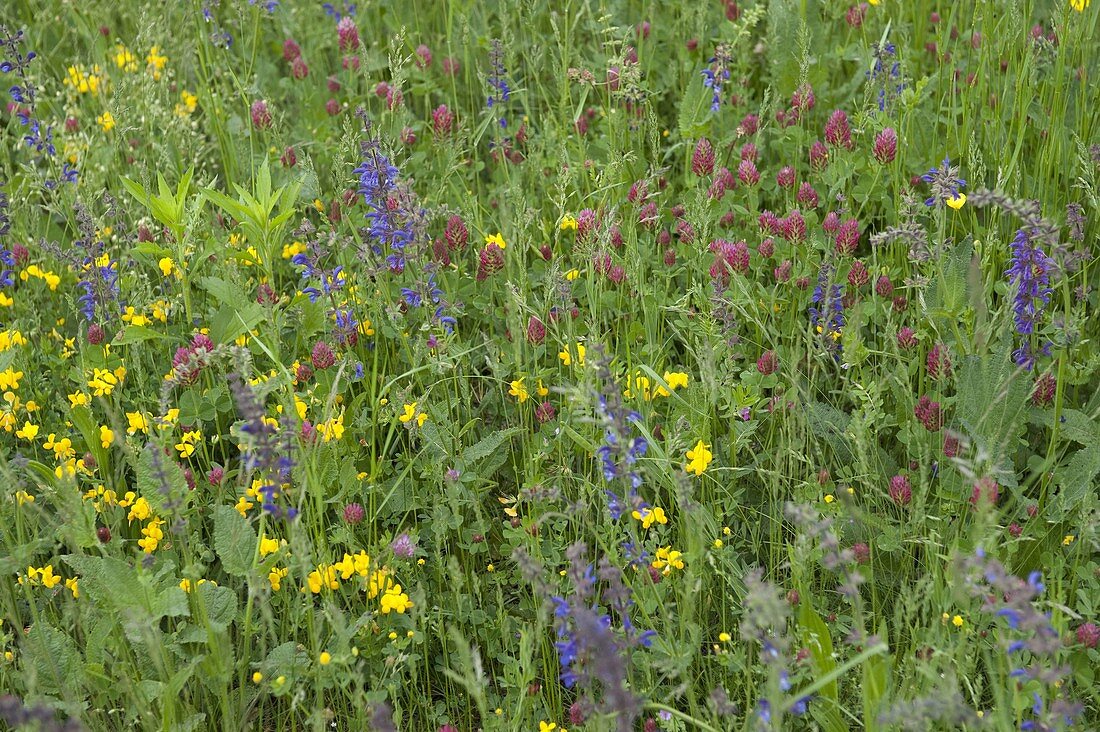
487,445
220,603
160,479
137,334
55,659
1076,478
234,540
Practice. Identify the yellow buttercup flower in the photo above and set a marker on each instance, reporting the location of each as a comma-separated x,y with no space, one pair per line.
957,202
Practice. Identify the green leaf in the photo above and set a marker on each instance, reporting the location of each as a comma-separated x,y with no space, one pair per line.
234,540
1076,479
160,479
137,334
55,658
487,445
220,604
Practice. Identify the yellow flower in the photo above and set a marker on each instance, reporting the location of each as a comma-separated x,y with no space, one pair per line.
9,378
325,658
957,202
519,391
106,121
124,59
667,560
567,223
874,2
79,399
155,62
547,726
243,505
106,436
138,423
167,266
829,498
496,239
572,274
567,358
187,443
103,382
275,577
22,497
394,600
724,637
540,389
257,677
650,516
698,458
1068,539
71,584
28,432
268,546
1079,5
323,576
411,413
957,621
188,104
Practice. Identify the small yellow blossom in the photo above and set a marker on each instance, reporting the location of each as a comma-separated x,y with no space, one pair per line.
724,637
572,274
568,223
567,358
268,546
275,577
958,621
167,266
668,559
699,458
547,726
155,62
829,498
1068,539
9,378
22,497
106,436
519,391
124,59
106,121
138,422
956,202
79,399
325,658
71,585
650,516
257,677
1079,5
496,239
410,413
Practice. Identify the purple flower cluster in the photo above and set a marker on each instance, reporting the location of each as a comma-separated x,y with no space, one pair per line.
501,91
715,75
622,447
1032,636
265,451
390,225
39,138
945,182
1029,274
590,647
827,310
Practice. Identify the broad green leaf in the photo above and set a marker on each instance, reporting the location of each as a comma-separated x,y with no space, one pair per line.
234,540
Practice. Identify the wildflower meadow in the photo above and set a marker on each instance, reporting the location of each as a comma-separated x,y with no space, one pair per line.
550,366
